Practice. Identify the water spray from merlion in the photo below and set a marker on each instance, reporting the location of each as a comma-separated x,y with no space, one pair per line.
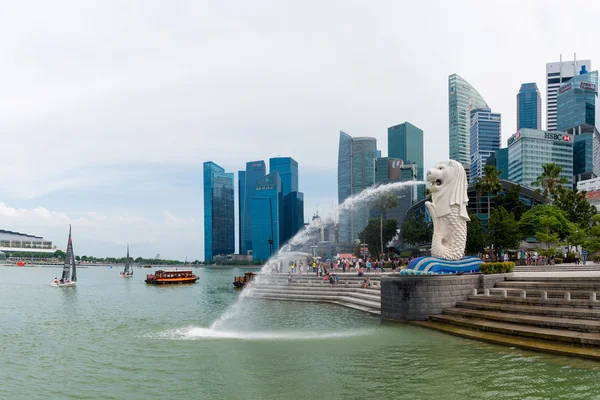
308,235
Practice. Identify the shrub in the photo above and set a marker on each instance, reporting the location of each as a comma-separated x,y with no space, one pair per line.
388,264
558,260
496,267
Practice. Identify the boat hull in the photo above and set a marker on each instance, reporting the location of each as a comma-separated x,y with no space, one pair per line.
123,275
175,281
63,284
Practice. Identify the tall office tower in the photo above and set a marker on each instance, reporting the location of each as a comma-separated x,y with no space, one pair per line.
576,115
529,107
486,131
405,141
219,203
462,98
388,170
529,149
255,170
241,194
293,200
558,73
499,159
356,172
266,216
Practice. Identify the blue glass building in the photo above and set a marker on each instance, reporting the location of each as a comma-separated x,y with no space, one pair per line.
486,128
405,141
576,101
356,172
293,215
499,159
255,170
293,200
266,216
219,225
241,194
389,170
529,107
576,114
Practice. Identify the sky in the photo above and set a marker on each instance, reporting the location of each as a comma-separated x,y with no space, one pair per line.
108,109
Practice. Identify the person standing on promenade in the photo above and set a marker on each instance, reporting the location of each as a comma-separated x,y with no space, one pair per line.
369,266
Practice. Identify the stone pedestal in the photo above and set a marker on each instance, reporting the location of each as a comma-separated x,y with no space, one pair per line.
415,297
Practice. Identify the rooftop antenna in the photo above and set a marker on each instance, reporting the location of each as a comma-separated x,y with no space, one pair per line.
574,64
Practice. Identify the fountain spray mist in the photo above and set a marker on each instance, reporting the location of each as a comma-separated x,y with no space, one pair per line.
308,235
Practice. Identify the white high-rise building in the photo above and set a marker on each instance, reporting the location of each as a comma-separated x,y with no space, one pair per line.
558,73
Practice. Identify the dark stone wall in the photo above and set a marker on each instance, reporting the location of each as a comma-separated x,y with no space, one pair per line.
415,297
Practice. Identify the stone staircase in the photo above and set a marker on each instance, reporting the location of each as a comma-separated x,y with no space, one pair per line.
549,313
347,292
589,266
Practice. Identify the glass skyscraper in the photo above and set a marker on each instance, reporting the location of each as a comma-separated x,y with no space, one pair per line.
356,172
219,225
462,98
389,170
499,159
241,194
576,101
529,149
255,170
293,200
486,129
266,216
405,141
529,107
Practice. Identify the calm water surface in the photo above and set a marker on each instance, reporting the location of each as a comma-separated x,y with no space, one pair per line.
115,338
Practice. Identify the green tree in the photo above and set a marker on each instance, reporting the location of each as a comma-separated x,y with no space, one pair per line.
357,251
548,235
502,230
575,205
77,258
383,203
59,254
475,235
531,222
370,235
489,184
511,200
415,230
593,241
550,180
577,238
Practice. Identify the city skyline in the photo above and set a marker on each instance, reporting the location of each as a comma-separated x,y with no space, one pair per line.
107,129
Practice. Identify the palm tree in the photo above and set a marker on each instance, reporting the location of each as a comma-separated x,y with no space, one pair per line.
489,183
384,202
550,180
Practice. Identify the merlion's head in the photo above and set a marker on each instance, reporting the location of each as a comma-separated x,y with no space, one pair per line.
448,187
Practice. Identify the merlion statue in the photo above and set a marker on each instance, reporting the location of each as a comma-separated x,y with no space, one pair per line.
448,209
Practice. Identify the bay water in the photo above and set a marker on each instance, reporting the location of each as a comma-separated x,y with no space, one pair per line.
115,338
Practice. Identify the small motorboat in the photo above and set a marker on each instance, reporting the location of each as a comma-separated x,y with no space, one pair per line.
241,281
20,263
171,276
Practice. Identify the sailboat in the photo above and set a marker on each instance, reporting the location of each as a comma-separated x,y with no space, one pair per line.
68,268
128,271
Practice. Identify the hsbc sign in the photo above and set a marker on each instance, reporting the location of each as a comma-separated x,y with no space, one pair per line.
557,136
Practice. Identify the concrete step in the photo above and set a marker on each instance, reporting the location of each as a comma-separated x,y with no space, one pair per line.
343,299
516,292
323,292
563,285
533,300
560,348
302,286
369,310
581,325
568,312
561,335
566,277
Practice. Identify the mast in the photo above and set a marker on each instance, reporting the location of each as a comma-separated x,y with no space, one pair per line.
74,271
67,266
127,260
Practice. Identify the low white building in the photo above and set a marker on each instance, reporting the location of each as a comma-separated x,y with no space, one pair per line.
589,185
16,241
